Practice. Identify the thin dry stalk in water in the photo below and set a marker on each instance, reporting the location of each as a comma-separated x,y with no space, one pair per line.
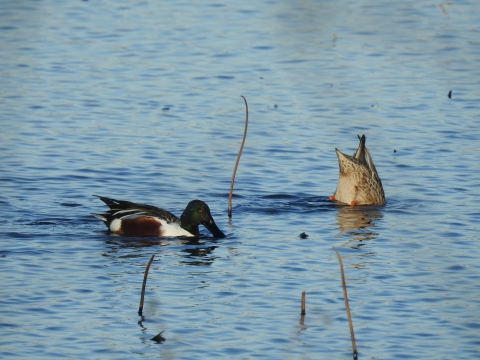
302,313
303,303
345,297
238,160
140,308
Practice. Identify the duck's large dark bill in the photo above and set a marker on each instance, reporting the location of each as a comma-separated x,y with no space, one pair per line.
216,232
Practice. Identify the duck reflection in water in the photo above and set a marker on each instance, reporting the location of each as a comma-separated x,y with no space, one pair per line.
192,251
198,255
358,223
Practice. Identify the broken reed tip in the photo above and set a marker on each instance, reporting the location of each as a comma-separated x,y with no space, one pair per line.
158,338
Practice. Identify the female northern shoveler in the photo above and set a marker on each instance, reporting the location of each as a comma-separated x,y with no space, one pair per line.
127,218
358,181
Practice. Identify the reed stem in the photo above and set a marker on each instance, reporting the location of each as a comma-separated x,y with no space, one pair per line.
345,297
303,304
140,308
238,160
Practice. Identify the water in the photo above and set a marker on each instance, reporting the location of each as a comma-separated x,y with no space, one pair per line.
141,101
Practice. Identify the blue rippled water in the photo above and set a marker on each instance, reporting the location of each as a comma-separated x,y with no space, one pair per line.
141,101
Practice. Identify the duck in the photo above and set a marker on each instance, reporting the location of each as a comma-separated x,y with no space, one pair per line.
131,219
358,180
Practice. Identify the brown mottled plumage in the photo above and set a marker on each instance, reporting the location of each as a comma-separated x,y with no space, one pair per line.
358,180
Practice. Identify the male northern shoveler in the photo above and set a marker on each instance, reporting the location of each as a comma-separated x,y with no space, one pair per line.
127,218
358,181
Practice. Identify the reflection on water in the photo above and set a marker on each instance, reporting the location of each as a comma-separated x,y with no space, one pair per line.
193,251
358,222
199,255
121,243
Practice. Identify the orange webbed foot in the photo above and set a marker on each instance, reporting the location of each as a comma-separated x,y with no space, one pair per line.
331,198
353,203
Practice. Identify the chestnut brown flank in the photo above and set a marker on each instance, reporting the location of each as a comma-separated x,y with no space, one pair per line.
142,226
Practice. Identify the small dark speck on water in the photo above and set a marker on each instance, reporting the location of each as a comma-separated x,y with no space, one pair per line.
275,106
394,150
166,109
70,204
261,77
303,235
450,94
